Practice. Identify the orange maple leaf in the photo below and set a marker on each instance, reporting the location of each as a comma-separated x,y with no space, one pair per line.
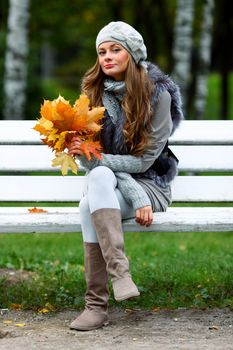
14,306
37,210
91,147
48,110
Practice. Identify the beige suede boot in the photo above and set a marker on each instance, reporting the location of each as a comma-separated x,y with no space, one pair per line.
95,314
108,227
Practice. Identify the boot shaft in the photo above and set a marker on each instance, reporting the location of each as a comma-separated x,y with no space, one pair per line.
97,293
108,227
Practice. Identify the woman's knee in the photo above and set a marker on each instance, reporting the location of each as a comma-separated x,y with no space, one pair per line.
101,175
84,207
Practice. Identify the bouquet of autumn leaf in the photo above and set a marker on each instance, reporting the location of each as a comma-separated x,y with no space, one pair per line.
60,121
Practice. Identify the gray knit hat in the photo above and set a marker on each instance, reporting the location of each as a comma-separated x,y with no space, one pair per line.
126,36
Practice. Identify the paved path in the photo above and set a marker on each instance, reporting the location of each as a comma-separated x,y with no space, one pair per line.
128,329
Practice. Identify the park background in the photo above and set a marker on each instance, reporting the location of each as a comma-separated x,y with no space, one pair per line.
46,46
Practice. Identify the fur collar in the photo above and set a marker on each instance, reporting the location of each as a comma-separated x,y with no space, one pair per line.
164,82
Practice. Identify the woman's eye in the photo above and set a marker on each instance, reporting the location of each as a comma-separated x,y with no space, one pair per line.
101,53
116,50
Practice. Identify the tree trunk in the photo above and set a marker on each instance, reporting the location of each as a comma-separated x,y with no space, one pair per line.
183,45
204,59
226,58
15,79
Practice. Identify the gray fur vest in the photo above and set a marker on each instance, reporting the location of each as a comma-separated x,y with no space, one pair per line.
164,168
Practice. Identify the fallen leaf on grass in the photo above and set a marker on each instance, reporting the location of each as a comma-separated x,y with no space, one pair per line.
20,324
47,308
156,309
214,328
7,322
132,310
37,210
15,306
43,310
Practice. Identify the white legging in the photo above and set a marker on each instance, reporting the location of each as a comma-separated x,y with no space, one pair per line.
101,192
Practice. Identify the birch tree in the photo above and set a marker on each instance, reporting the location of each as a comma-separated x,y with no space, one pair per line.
16,59
204,59
182,47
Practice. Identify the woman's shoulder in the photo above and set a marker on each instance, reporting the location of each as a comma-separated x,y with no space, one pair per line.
166,92
165,97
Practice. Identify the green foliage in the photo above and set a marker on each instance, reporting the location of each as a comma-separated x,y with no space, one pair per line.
2,56
69,29
171,269
51,88
214,96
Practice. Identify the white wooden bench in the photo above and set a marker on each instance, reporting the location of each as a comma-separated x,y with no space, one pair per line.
201,146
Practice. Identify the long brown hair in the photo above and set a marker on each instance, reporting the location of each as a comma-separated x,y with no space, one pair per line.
136,103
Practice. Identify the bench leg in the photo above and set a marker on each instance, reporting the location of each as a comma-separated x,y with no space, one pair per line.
108,227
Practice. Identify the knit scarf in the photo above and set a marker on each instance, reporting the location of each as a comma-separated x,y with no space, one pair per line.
112,131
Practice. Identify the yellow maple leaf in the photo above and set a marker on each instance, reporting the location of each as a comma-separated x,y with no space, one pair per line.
60,144
44,126
53,136
81,105
66,161
43,310
94,127
95,114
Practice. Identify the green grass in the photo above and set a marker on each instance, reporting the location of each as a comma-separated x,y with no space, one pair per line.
171,269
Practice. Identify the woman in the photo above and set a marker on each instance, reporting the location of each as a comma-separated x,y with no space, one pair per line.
132,179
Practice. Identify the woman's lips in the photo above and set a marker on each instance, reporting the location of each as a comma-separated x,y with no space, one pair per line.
109,66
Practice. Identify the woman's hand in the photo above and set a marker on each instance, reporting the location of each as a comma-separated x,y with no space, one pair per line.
74,146
144,216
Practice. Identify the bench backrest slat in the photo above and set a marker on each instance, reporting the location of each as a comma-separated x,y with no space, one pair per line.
191,158
189,132
205,132
69,188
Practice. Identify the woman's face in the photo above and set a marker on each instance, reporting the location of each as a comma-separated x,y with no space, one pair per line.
113,59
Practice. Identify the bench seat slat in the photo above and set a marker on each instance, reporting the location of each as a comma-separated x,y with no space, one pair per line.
70,188
189,132
18,220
